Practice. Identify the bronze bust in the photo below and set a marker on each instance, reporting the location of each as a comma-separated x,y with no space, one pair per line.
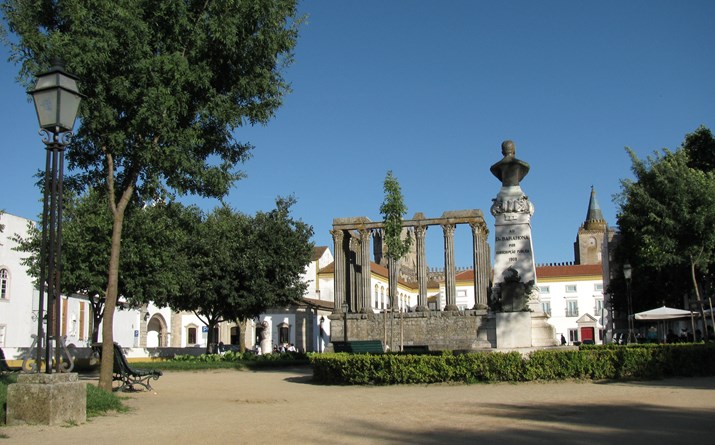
510,170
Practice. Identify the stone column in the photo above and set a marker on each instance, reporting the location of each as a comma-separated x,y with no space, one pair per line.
354,295
339,271
420,232
449,272
366,272
481,264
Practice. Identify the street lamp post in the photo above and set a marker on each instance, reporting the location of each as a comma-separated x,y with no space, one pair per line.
56,99
627,274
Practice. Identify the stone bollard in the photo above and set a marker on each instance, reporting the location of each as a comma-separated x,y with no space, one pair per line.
47,399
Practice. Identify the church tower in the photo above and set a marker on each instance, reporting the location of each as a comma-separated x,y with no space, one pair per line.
589,241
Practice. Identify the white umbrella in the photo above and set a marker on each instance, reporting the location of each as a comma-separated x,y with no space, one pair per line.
663,313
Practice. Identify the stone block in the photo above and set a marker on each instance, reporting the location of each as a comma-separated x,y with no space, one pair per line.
513,330
47,399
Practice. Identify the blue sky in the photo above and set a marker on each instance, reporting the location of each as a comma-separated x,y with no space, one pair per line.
430,90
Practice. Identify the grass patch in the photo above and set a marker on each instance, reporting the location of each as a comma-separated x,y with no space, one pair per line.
99,402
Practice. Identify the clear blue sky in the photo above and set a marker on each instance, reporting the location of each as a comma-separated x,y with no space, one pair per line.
430,90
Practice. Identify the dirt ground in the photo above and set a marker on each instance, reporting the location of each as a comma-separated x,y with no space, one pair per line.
269,407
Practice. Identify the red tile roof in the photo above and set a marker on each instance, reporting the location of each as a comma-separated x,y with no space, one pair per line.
573,270
318,252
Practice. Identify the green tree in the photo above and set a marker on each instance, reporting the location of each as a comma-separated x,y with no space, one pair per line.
242,265
167,82
700,146
393,209
667,217
150,267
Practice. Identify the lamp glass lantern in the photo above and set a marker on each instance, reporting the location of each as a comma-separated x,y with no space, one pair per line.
627,271
56,99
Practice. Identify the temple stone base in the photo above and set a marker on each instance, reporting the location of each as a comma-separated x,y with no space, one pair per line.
47,399
543,333
513,330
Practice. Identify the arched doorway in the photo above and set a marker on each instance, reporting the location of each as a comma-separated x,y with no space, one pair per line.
156,332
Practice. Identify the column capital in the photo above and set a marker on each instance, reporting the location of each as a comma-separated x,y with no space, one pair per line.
448,229
338,235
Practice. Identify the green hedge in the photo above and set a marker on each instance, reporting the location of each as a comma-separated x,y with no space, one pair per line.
633,362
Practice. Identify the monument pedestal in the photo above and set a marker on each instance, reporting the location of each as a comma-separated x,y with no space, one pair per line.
513,330
47,399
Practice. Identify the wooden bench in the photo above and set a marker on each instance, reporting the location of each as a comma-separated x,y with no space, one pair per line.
359,346
4,367
125,374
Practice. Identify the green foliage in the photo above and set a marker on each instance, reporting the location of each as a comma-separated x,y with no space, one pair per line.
230,360
237,266
166,82
595,363
667,221
393,209
150,265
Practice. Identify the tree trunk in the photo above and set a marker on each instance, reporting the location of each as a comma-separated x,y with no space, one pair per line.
110,304
112,293
699,300
242,328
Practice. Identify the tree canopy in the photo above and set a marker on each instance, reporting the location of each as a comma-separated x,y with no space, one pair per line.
240,265
166,82
150,266
667,222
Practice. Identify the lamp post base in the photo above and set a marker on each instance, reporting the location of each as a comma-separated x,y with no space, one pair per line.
47,399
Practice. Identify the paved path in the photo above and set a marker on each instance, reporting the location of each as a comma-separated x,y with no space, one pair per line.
272,407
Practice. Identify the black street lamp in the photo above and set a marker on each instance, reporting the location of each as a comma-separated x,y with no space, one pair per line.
56,99
627,274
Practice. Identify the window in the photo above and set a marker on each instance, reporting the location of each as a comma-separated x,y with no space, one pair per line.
546,306
598,309
544,289
572,308
191,336
571,288
377,298
573,335
2,335
598,287
283,333
382,298
4,284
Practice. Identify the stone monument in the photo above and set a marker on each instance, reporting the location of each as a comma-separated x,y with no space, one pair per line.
514,296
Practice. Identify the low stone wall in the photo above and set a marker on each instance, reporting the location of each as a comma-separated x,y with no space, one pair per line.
449,330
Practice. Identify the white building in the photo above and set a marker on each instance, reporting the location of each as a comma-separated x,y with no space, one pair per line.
572,296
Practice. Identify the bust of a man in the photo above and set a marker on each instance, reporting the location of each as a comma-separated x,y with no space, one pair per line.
510,171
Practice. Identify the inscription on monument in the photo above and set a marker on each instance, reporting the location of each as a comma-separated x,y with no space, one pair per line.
512,249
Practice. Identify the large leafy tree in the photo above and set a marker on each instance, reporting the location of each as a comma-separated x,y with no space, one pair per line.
393,209
167,82
150,266
241,265
667,221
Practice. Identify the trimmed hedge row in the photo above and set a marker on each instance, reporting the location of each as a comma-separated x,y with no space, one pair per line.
632,362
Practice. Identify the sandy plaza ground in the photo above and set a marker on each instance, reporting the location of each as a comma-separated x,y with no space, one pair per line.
269,407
